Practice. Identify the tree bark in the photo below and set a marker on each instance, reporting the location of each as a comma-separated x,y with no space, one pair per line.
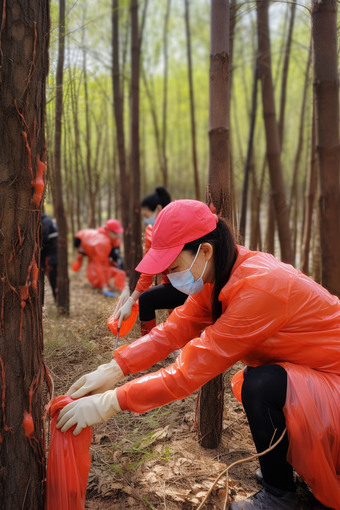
74,103
310,200
119,117
285,72
136,245
24,40
272,134
165,93
192,102
248,161
210,404
63,292
326,90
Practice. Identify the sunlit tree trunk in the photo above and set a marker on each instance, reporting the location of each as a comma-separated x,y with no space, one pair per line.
248,161
326,89
210,405
136,245
272,134
192,102
294,187
63,292
165,93
24,36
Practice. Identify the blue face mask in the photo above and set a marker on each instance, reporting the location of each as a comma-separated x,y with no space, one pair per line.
151,220
184,280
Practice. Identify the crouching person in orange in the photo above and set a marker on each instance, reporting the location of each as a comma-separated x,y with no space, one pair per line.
102,246
247,306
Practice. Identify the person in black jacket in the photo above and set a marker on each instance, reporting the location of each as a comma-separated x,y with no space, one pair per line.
49,255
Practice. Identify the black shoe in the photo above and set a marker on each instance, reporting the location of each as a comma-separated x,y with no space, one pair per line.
264,500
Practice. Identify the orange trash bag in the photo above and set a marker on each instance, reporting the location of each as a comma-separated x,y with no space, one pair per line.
236,385
76,265
126,325
68,464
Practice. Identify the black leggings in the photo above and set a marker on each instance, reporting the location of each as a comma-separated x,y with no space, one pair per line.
264,395
160,297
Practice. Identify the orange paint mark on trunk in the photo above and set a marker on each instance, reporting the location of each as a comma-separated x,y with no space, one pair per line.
28,424
19,235
35,276
38,184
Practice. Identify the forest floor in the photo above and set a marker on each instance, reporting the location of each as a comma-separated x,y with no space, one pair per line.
151,461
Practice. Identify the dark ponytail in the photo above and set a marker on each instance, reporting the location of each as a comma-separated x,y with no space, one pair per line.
225,252
160,197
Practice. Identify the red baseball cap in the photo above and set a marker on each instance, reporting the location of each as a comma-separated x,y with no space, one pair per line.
180,222
115,226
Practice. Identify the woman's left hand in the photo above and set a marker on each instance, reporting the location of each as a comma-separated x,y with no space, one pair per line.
88,411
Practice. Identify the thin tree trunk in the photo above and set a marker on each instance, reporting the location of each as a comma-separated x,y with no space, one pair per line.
310,201
136,247
247,165
92,199
24,40
119,117
272,135
326,87
74,103
192,103
210,404
285,72
63,292
165,93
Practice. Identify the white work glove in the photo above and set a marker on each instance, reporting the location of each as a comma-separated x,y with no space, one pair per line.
125,311
88,411
102,379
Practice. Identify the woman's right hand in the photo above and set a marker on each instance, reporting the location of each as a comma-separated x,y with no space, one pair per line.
101,380
125,311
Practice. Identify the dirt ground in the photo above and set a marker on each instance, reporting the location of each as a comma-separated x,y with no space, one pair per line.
151,461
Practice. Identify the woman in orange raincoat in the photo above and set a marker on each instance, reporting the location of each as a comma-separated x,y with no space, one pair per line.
160,297
247,306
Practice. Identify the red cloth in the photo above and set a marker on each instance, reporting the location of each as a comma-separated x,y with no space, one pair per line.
271,313
145,280
68,464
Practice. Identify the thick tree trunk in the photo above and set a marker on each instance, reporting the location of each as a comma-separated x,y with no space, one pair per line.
309,205
248,161
119,117
326,90
192,102
24,39
63,292
210,405
136,245
272,135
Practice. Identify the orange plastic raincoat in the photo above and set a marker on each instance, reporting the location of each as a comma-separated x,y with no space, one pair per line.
97,245
271,313
145,280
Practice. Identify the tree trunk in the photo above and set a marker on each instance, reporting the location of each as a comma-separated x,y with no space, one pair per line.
192,103
247,165
165,92
285,72
272,134
210,405
294,191
119,117
63,292
310,200
24,40
136,245
326,87
74,103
